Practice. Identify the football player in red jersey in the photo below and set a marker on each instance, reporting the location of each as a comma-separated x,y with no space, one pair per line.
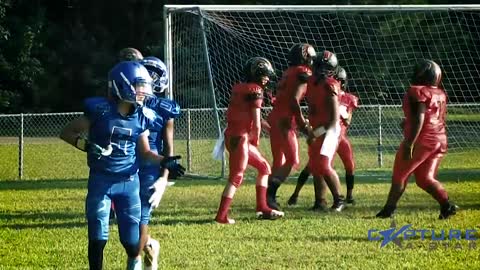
425,140
323,114
348,102
242,137
286,115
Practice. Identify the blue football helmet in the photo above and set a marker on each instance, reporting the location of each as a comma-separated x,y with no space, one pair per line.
158,71
130,81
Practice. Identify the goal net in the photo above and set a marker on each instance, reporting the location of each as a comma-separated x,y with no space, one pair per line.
377,45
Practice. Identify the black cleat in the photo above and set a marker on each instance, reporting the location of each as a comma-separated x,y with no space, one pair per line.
339,205
319,206
272,203
386,212
270,215
292,200
447,210
350,200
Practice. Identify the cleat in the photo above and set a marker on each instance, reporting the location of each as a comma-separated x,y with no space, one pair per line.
152,251
386,212
319,206
271,215
227,221
292,200
272,202
448,210
350,200
339,205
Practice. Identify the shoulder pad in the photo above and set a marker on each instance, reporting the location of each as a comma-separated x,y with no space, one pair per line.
420,93
165,107
149,113
96,106
354,101
254,92
332,86
304,69
303,77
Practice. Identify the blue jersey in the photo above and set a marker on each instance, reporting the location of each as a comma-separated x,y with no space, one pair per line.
167,109
107,126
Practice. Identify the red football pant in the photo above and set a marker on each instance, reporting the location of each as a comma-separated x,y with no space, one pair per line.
284,147
424,165
345,152
241,154
320,164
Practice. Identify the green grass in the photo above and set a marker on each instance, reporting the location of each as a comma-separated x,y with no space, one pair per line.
42,224
50,158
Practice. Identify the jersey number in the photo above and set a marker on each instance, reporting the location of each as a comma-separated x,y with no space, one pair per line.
439,114
120,137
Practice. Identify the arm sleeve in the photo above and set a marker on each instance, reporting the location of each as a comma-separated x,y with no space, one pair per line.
254,97
303,73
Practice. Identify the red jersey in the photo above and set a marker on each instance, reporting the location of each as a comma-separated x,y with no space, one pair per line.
350,102
434,126
286,92
317,94
245,96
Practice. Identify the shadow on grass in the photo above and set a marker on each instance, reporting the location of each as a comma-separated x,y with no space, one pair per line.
174,222
82,184
64,225
317,238
43,184
47,220
362,177
47,216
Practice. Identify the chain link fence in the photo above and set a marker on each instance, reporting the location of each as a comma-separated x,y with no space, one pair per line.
30,147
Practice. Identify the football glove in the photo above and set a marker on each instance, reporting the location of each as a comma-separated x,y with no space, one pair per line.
174,168
93,148
158,189
177,171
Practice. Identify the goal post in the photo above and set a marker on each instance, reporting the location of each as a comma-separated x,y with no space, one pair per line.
206,47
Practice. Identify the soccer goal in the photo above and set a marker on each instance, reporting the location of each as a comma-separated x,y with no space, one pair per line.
377,45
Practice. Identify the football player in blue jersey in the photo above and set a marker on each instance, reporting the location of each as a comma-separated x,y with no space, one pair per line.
160,142
114,126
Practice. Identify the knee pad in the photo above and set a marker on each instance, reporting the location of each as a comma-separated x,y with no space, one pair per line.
324,166
236,180
425,183
264,169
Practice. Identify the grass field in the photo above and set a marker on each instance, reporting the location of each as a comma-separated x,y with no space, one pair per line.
42,224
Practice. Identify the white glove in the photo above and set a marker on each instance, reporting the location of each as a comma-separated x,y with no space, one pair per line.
158,189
